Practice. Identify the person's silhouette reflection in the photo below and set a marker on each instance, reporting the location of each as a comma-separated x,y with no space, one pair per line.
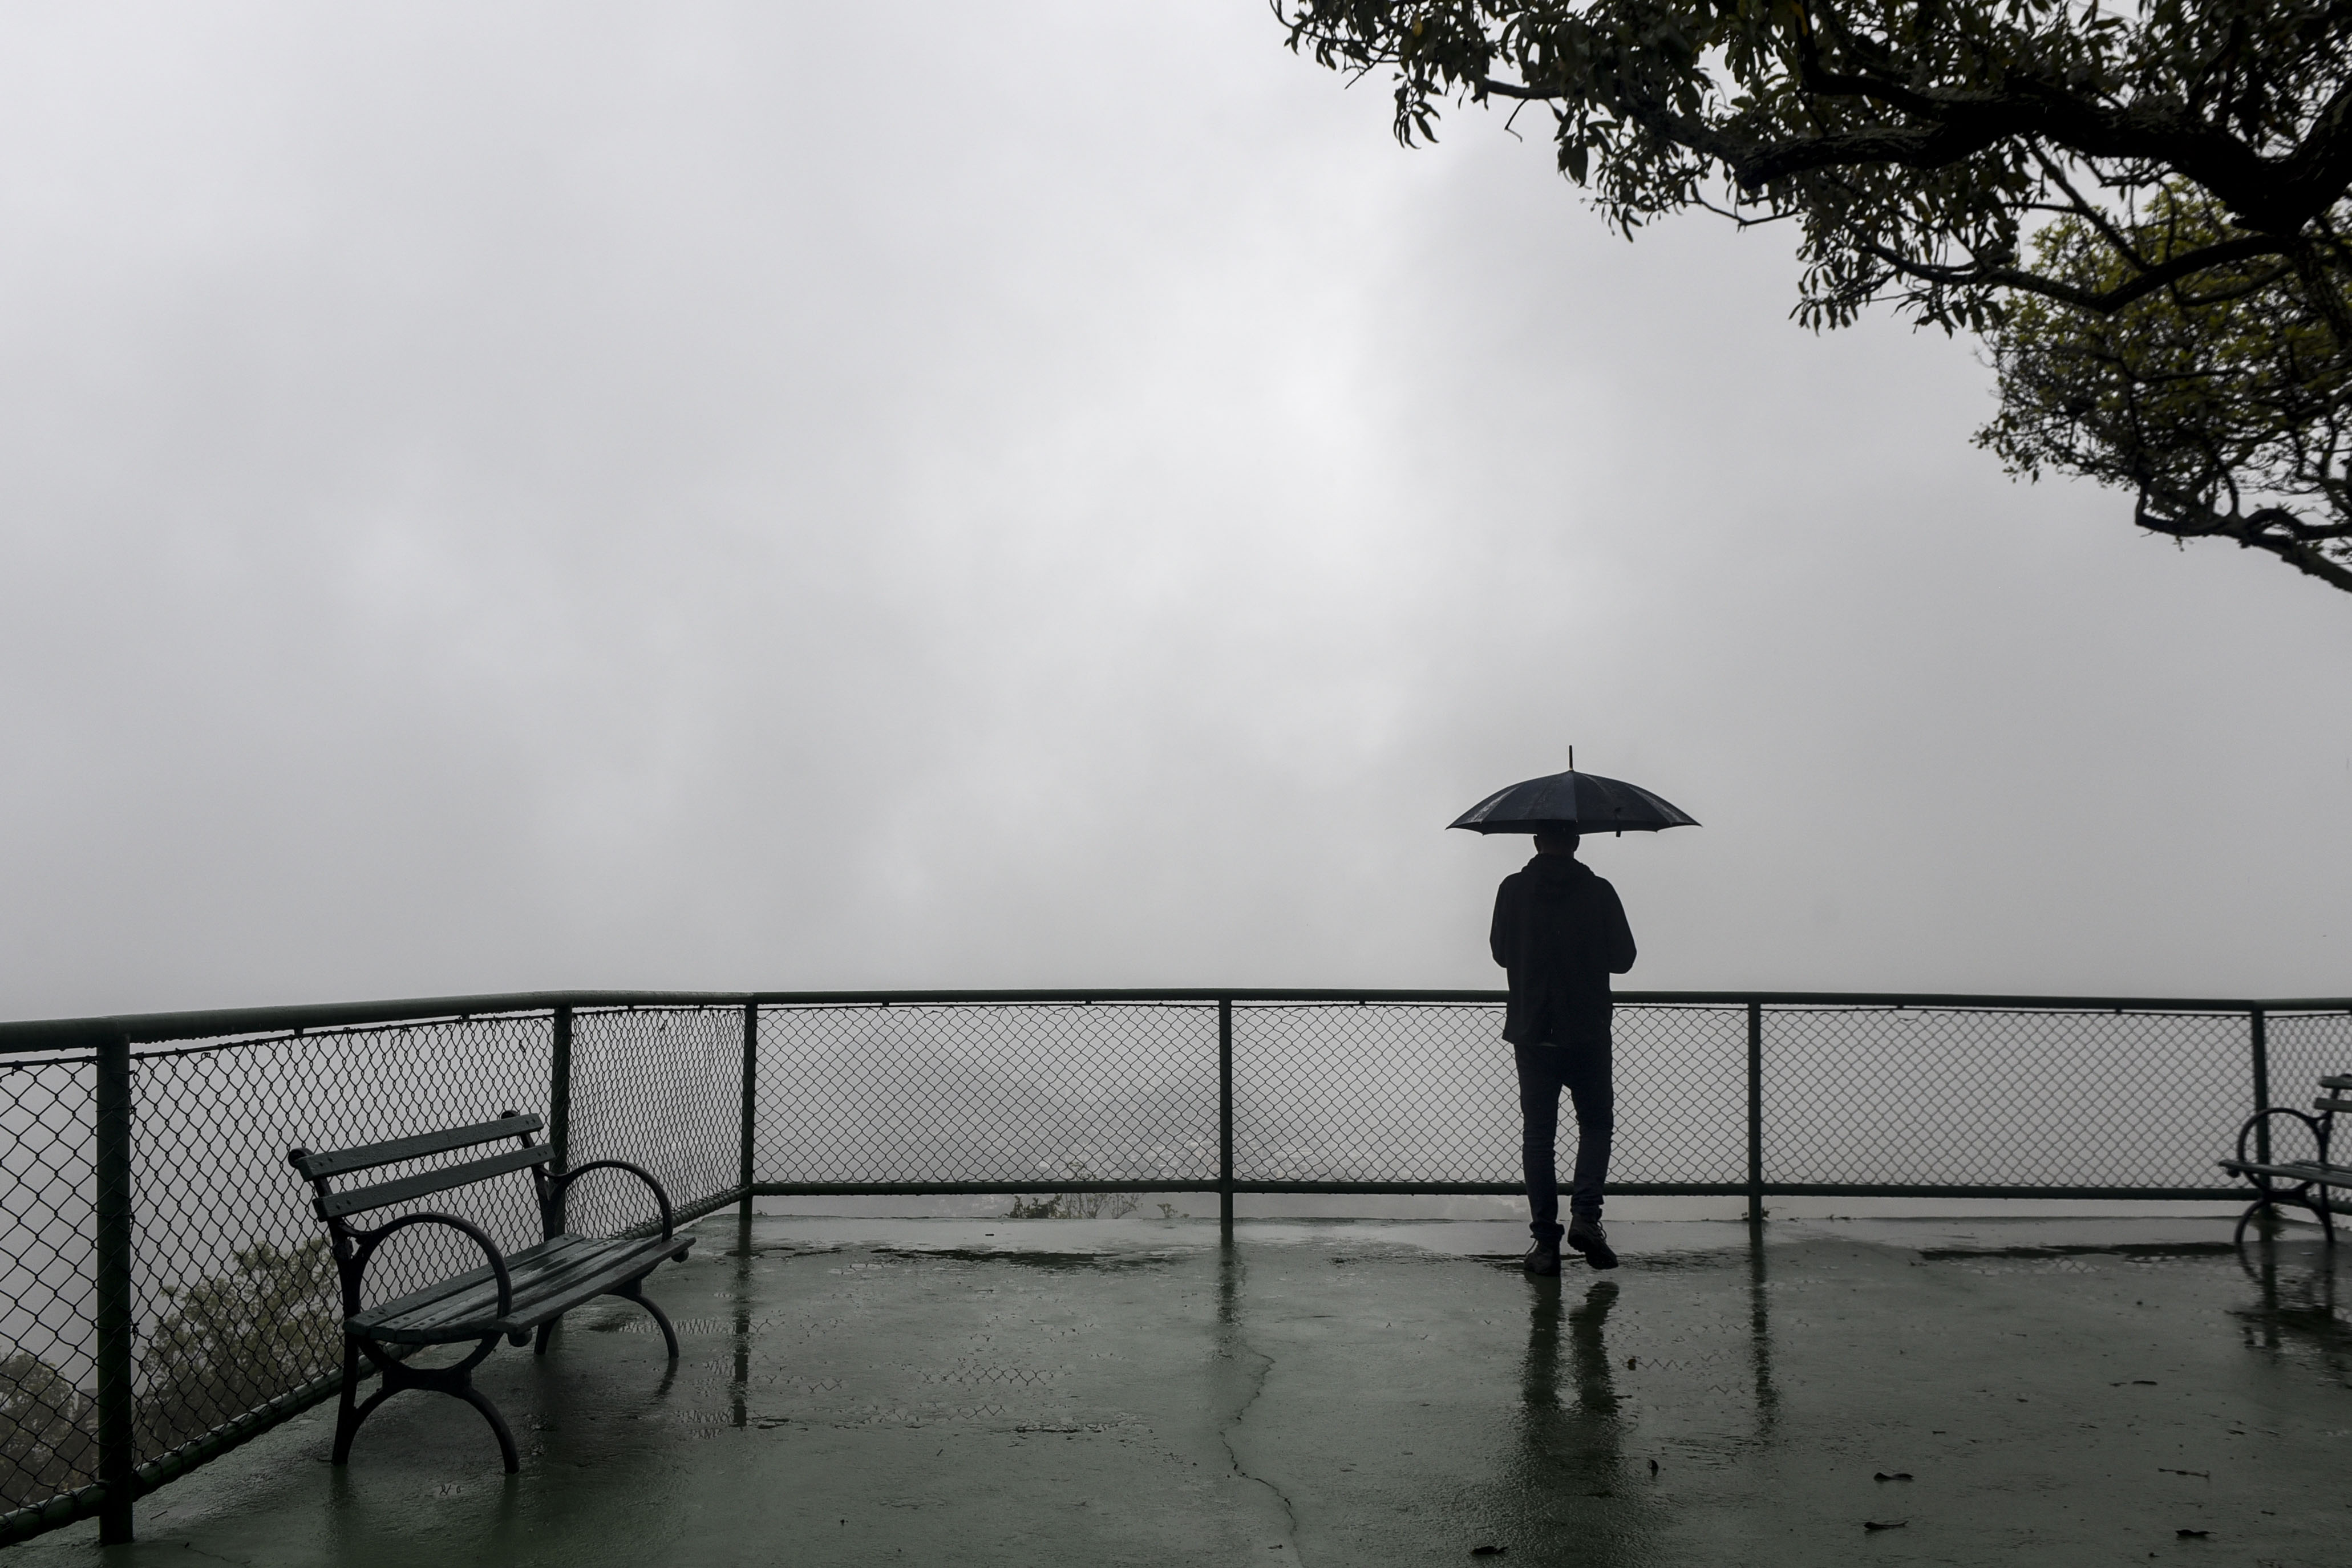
1568,1489
1586,1435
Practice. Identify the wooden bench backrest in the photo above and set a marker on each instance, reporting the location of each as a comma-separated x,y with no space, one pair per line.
318,1168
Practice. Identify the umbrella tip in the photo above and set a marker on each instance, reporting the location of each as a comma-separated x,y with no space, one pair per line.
1571,758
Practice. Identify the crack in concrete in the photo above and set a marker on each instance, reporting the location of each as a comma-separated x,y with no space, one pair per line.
1224,1435
1233,1347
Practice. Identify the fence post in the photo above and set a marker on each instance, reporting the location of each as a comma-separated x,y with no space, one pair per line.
2261,1053
1755,1113
559,1101
750,1080
1225,1116
116,1425
559,1091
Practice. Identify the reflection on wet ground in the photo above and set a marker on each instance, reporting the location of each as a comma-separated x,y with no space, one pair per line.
1105,1392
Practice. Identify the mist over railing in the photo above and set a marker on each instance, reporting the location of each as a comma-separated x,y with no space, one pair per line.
165,1294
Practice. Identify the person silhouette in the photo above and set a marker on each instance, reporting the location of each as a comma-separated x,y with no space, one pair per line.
1560,932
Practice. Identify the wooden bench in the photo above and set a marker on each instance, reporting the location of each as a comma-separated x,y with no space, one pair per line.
2305,1183
511,1296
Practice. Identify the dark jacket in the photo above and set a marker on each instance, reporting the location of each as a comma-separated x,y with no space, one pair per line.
1560,932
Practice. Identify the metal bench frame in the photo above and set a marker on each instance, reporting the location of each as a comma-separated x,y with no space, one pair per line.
592,1268
2304,1183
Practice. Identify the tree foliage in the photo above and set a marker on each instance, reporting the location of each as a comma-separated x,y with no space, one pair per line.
235,1340
48,1432
223,1346
2223,407
2142,196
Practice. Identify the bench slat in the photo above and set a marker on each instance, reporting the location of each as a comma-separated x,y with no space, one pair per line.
335,1162
2326,1104
540,1279
553,1249
562,1274
2328,1175
361,1199
2342,1081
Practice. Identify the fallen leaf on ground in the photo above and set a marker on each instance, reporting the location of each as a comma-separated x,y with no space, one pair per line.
1488,1550
2192,1535
1885,1524
1891,1476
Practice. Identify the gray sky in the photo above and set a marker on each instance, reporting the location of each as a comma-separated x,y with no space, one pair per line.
723,495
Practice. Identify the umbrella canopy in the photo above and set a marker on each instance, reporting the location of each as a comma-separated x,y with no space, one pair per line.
1573,802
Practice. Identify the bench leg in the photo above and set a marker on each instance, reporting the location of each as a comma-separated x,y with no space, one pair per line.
347,1417
480,1401
345,1432
399,1377
634,1291
546,1332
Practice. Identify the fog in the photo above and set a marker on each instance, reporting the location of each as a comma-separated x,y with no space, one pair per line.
714,496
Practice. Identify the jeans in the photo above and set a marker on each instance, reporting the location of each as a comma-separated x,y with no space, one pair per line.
1584,1069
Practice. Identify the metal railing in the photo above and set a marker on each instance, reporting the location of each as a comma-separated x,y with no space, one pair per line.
165,1296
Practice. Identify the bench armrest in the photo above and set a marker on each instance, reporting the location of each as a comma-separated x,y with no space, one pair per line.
563,1179
376,1238
2318,1131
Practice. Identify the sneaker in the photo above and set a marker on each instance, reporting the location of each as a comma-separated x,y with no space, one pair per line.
1543,1258
1587,1236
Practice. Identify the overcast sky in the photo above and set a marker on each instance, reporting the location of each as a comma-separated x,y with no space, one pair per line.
519,495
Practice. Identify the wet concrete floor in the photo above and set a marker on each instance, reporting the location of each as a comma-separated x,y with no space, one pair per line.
1128,1392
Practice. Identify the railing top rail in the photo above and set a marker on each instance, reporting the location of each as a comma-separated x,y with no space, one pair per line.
1994,1002
147,1029
87,1033
1340,994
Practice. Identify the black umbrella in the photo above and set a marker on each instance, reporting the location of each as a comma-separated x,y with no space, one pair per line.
1573,802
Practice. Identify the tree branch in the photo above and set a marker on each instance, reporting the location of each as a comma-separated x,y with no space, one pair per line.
1501,89
2103,301
2252,532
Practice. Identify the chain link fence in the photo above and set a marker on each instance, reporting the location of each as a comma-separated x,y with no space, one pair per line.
1418,1095
48,1411
235,1306
226,1300
662,1088
955,1095
1856,1098
1940,1096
